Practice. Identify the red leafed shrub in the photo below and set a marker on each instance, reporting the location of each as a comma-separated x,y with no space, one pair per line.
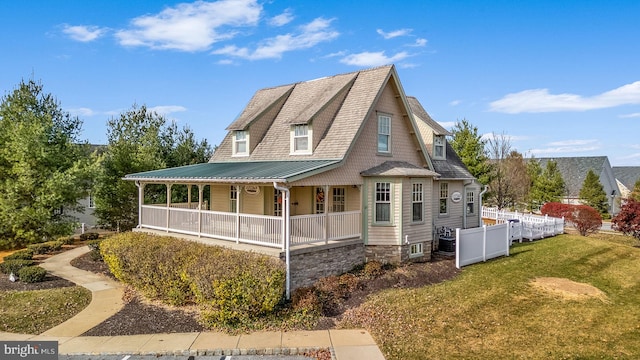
585,219
628,219
556,209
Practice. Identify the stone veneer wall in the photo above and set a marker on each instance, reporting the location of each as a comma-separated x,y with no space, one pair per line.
395,253
310,264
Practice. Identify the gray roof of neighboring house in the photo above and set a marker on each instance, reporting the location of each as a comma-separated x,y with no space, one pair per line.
574,170
398,168
627,175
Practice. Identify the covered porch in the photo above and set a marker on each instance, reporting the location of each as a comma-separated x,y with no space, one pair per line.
258,210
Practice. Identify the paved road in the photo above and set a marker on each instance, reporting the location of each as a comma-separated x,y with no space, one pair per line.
152,357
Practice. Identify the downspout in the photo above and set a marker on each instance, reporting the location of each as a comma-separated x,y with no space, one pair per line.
286,235
486,188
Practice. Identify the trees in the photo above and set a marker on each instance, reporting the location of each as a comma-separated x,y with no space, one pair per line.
510,181
548,186
584,218
635,193
43,168
471,148
139,140
592,193
628,219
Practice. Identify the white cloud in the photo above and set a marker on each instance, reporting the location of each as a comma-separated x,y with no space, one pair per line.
82,111
191,27
447,124
373,58
83,33
394,33
282,19
420,43
626,116
311,34
455,102
568,146
540,100
167,109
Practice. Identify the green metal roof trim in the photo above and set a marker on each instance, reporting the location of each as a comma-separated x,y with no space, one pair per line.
247,172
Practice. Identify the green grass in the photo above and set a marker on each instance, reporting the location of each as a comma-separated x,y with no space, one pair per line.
33,312
492,312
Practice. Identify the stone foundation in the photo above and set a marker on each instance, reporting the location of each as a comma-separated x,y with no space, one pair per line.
312,263
395,254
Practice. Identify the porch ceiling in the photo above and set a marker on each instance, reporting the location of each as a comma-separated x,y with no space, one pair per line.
238,172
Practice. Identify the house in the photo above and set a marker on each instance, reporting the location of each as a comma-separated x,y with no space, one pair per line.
327,173
626,177
574,170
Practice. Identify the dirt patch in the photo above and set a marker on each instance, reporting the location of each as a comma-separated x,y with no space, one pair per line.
568,289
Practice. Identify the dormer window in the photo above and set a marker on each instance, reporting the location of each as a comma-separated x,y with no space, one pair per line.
384,134
240,143
301,139
439,147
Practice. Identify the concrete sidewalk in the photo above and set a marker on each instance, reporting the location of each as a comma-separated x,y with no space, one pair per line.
107,300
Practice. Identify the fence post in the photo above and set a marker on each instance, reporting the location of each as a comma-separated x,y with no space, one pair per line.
458,245
509,224
484,243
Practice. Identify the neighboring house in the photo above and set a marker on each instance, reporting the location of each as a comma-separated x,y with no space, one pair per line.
626,177
574,170
86,219
329,173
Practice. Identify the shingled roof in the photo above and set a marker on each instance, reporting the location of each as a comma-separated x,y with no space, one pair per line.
627,175
574,170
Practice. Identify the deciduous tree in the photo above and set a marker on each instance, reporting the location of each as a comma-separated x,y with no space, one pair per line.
628,219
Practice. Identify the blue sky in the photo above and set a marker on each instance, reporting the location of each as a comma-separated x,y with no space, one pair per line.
559,78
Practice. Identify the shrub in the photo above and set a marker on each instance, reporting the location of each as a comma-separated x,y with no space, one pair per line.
373,269
89,236
24,254
32,274
66,240
13,266
45,247
230,286
585,219
628,219
94,246
556,209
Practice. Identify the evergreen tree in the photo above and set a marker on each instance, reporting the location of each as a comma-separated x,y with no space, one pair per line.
592,193
534,171
635,193
471,148
548,186
44,170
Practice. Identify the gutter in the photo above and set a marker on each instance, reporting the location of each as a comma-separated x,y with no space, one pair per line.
286,234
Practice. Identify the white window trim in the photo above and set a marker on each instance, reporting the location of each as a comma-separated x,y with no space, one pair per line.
293,137
246,141
443,144
416,250
421,201
233,198
445,198
336,201
471,195
375,203
380,117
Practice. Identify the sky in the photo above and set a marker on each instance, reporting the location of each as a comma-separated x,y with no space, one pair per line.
555,78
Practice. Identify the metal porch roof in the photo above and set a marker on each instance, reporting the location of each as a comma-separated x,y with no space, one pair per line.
238,172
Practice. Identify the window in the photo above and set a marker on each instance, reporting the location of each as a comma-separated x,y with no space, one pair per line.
471,199
319,200
415,250
233,198
417,202
277,203
301,139
384,133
240,143
444,194
338,201
383,203
438,147
92,204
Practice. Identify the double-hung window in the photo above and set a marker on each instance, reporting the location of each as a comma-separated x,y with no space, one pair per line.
444,194
471,202
383,203
233,198
439,147
301,139
240,143
384,133
417,203
338,201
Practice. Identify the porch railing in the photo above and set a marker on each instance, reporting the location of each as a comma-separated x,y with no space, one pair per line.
262,230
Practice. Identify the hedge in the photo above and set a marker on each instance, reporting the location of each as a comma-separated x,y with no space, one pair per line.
24,254
32,274
230,286
13,266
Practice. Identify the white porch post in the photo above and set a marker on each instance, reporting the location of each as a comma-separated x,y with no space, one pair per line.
286,233
326,214
168,204
238,202
188,196
140,202
200,196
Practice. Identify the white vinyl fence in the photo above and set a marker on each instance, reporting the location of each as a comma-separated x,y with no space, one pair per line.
488,242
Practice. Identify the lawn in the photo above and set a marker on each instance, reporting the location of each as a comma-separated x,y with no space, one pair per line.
492,311
33,312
